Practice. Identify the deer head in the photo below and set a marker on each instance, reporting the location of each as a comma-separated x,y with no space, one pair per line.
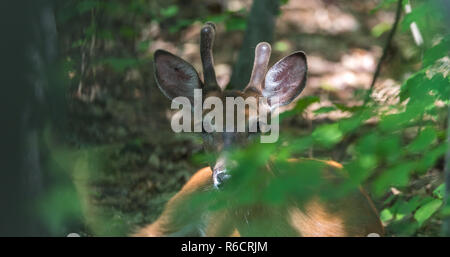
278,86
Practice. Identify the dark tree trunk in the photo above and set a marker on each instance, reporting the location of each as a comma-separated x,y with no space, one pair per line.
260,27
28,44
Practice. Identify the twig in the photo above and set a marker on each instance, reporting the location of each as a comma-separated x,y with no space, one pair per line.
385,50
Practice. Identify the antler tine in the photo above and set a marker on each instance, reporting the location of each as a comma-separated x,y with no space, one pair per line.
207,36
262,56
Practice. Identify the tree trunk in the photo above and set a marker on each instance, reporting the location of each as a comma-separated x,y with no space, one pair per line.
29,44
260,27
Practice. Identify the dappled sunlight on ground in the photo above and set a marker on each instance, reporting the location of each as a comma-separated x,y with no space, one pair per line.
313,16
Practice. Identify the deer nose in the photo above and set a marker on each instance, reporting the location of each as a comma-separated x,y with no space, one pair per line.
220,178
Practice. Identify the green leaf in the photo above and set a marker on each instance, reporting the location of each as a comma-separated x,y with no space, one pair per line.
291,182
445,211
368,161
439,192
58,207
345,108
386,215
294,145
439,84
396,176
356,174
218,18
405,227
325,109
410,87
301,105
423,141
414,109
281,46
390,148
352,123
430,157
420,14
380,28
405,208
368,143
328,135
169,11
436,52
427,210
361,168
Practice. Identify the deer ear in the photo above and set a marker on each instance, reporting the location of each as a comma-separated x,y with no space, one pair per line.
285,80
174,76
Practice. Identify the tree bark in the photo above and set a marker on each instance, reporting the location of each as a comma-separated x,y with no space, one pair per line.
29,44
260,27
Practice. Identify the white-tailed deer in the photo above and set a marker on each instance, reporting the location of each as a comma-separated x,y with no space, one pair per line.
351,215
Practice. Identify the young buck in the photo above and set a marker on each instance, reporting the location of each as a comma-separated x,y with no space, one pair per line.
353,214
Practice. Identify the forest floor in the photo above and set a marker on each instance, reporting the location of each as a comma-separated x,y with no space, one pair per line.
147,163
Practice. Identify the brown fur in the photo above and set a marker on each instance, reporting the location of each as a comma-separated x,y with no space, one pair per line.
352,215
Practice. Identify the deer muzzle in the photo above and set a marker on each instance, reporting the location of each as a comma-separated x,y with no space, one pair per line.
220,173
